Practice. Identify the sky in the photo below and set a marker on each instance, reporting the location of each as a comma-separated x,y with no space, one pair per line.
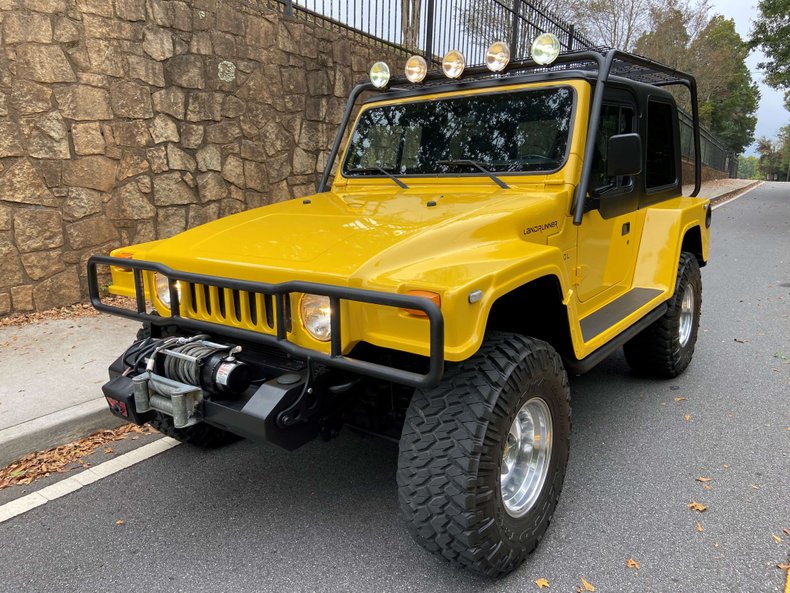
771,115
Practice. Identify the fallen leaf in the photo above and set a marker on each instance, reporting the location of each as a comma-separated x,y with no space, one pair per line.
120,522
687,417
631,563
783,566
786,531
542,584
699,527
742,341
704,480
707,487
754,486
108,450
725,466
681,399
697,506
587,586
777,539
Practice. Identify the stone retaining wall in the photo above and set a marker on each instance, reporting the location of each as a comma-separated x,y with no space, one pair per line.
131,120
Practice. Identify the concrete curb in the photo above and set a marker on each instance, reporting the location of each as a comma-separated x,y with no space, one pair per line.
722,198
54,429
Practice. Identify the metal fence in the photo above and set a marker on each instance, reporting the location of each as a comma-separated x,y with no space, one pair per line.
433,27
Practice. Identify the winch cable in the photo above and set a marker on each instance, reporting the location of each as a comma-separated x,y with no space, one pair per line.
187,371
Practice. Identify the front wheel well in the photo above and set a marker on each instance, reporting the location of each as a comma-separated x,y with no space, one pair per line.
536,310
692,243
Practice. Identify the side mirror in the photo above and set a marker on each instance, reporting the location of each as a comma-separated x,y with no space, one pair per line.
624,155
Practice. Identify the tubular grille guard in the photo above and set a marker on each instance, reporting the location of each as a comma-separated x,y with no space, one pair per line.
279,294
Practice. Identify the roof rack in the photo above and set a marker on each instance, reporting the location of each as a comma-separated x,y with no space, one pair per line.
604,62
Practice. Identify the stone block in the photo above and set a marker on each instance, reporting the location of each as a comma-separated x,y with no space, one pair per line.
163,129
131,133
129,203
87,138
222,44
230,19
26,28
223,132
144,184
22,298
146,70
83,103
170,189
48,6
44,63
90,232
181,15
61,289
294,81
5,218
211,187
191,135
9,139
131,100
260,32
11,272
130,10
100,7
171,101
106,57
278,168
82,202
66,30
209,158
179,160
228,207
170,221
186,71
29,97
35,230
201,43
233,107
97,27
202,214
157,157
5,303
158,43
233,170
94,172
47,137
204,106
50,170
303,162
22,184
43,264
132,164
255,175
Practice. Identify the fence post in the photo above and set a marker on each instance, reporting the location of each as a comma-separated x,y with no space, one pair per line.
514,29
288,9
428,32
571,32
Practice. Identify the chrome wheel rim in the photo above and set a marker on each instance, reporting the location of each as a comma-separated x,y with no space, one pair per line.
525,457
686,316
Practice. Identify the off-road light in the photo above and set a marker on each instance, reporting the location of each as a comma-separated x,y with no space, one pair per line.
162,285
497,56
545,48
380,75
315,311
416,69
453,64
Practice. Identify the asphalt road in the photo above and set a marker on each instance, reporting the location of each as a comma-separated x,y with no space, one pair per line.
253,518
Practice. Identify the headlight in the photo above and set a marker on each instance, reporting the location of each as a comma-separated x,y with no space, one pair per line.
545,49
380,75
316,315
162,286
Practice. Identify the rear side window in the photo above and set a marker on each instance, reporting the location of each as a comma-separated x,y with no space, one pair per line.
660,165
615,119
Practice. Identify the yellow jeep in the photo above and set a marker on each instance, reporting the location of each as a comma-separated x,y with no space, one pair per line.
486,232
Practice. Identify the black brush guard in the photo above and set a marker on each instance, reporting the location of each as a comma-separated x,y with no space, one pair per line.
280,293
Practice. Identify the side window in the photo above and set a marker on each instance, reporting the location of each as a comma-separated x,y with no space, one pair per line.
615,119
660,164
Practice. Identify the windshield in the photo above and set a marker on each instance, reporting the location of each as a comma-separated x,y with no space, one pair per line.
521,131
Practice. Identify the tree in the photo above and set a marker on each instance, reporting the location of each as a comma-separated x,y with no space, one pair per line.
410,22
615,23
748,167
771,33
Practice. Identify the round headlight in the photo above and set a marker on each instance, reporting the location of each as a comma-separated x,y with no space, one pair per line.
545,48
453,64
416,69
380,75
162,286
497,56
316,315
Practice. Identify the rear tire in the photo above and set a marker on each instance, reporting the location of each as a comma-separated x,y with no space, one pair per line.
664,348
200,435
456,483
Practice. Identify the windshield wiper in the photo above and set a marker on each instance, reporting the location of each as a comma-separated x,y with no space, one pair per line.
477,165
380,169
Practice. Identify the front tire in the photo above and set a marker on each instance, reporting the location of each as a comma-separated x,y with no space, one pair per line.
483,455
664,349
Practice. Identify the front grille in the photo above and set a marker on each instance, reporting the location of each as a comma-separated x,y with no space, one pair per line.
237,308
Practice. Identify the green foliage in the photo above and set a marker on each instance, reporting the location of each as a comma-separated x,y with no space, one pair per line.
715,55
749,167
774,161
771,33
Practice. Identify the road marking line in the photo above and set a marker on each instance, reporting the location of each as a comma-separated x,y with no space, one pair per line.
736,196
92,474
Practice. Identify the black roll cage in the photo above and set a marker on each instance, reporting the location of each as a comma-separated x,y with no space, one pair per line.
604,62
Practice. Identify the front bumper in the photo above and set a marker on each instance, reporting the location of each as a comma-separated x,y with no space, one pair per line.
281,297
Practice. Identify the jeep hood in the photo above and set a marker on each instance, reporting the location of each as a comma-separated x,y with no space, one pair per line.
339,236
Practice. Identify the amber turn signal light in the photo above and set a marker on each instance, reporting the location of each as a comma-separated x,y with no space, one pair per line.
425,294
